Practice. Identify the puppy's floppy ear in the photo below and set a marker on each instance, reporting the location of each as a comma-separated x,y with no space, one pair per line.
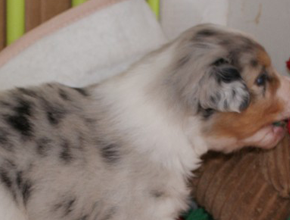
223,89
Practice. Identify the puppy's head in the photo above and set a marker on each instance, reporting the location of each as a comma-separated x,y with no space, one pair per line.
226,78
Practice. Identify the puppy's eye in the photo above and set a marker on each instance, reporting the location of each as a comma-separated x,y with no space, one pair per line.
262,79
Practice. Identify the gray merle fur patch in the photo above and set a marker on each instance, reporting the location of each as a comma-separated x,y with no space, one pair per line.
110,152
66,153
66,206
82,91
20,118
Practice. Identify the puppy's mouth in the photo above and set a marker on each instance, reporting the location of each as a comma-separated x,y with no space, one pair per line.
279,126
282,123
273,133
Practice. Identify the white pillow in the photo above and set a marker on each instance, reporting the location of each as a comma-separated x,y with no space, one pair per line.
84,45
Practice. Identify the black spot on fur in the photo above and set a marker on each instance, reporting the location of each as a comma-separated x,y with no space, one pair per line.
206,33
110,153
227,74
234,93
19,120
82,91
5,179
55,115
245,103
43,146
68,206
66,154
220,61
7,176
26,189
21,124
23,108
19,179
64,95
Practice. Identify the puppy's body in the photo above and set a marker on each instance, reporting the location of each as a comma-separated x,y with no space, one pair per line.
74,163
125,148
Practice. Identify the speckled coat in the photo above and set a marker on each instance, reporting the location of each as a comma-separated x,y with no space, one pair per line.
125,148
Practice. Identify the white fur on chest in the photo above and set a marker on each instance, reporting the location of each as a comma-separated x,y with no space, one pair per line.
157,136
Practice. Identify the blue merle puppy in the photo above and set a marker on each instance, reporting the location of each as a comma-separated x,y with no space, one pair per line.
125,148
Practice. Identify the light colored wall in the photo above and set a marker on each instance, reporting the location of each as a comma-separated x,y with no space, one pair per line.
179,15
269,22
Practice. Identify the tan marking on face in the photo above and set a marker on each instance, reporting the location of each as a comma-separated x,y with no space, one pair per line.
274,84
263,58
263,110
245,124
